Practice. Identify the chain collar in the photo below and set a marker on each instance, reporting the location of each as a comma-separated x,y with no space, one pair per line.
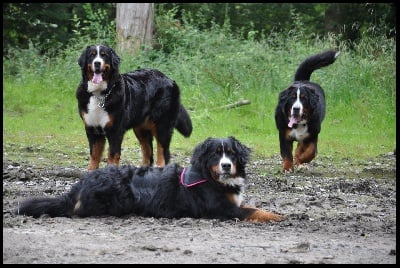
102,99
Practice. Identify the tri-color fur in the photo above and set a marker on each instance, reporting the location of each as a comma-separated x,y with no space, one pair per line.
211,187
111,103
300,112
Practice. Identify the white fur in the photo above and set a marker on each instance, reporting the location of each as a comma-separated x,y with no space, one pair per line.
92,87
98,59
301,132
297,104
96,116
238,181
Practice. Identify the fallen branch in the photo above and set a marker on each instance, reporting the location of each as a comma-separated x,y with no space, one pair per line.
236,104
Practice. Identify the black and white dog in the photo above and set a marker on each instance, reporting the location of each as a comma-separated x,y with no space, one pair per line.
211,187
300,112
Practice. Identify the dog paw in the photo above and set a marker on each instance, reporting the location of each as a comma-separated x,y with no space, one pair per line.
303,167
287,171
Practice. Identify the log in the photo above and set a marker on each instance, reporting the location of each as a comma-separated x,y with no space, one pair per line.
236,104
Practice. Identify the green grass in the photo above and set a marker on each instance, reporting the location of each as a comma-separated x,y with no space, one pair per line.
212,70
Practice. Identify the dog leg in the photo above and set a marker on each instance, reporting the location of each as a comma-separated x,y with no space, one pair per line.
96,151
305,152
163,153
146,144
114,152
161,161
259,215
286,146
113,159
287,164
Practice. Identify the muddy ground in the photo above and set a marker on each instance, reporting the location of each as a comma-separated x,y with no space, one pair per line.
337,212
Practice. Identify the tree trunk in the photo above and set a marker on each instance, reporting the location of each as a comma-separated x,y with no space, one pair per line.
134,26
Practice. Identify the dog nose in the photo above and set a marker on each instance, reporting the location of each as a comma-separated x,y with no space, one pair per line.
296,110
226,166
97,65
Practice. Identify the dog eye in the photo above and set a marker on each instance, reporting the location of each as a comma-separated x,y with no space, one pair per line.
102,53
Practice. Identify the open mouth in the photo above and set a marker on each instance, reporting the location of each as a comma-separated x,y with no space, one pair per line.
293,120
97,77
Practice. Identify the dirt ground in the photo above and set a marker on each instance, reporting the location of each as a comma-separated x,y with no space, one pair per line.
336,213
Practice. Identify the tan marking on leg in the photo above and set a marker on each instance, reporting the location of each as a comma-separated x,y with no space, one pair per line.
97,154
259,215
160,161
305,152
287,164
144,146
147,152
160,155
113,160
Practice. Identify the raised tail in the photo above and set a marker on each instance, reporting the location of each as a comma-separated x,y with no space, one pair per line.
54,207
309,65
183,122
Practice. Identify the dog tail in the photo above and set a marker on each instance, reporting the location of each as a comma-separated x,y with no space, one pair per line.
54,207
308,66
183,122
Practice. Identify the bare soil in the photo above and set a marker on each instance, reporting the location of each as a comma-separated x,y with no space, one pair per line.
342,212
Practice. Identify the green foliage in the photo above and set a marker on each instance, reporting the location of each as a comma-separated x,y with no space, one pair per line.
97,26
214,68
49,26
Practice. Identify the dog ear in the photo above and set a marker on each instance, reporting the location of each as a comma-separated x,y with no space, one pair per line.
313,97
83,57
284,98
243,152
200,152
115,59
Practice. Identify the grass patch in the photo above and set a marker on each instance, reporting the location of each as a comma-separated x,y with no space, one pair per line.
40,109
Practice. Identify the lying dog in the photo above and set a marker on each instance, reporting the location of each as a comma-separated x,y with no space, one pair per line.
111,103
300,112
211,187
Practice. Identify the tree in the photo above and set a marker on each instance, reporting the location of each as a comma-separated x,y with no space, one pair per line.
134,25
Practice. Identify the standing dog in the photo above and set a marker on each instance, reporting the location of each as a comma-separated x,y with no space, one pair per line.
300,112
212,187
111,103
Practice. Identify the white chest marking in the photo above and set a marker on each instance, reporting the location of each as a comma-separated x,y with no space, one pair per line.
238,181
96,116
299,133
92,87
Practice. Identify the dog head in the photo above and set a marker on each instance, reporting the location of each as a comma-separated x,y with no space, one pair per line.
223,159
298,102
99,64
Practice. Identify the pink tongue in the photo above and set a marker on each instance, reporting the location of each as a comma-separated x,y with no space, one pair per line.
292,121
97,78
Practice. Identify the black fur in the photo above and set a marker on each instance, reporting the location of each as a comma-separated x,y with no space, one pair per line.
158,192
111,103
300,111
